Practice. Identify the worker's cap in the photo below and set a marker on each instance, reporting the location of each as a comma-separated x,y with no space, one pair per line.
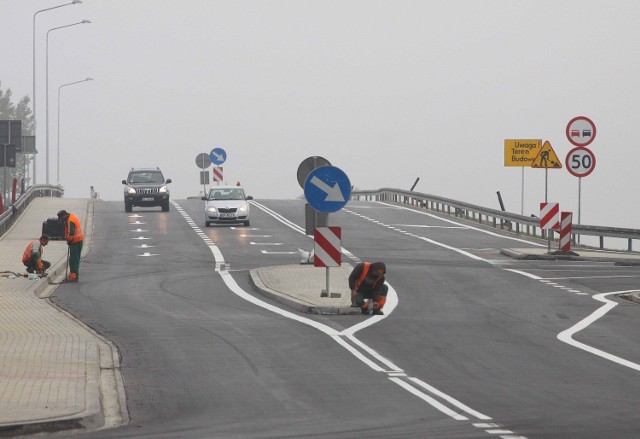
62,214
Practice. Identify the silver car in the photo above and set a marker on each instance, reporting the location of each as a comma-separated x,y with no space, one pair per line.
226,204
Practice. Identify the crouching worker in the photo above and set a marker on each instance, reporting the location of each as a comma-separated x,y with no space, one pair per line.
366,281
32,256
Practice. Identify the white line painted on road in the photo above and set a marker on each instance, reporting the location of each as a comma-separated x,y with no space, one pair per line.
567,335
346,337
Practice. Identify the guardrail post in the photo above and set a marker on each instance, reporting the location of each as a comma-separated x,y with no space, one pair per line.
629,245
601,242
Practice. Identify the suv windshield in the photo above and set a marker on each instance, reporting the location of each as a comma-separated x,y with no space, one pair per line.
226,194
146,177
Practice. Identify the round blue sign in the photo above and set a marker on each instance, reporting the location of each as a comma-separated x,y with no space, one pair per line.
218,156
327,189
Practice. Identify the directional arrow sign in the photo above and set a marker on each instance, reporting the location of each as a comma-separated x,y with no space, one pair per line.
218,156
327,189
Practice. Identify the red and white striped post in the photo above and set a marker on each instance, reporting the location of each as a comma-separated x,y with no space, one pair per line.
565,231
549,218
327,252
217,174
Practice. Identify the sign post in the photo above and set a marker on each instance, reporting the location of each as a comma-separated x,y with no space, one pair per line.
546,159
203,162
327,252
521,153
581,131
327,189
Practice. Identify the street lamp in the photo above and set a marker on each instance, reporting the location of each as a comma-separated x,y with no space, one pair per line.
47,88
35,123
60,88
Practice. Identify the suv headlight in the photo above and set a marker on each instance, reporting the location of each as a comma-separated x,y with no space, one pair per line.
163,189
243,208
211,209
131,191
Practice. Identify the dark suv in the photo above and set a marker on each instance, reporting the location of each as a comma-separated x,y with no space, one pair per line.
146,187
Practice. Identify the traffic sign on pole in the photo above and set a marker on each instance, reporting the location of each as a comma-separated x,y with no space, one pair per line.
549,216
327,189
203,161
580,161
327,248
546,158
218,156
581,131
217,174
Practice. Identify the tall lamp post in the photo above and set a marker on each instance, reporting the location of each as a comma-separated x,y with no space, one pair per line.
35,122
60,88
47,88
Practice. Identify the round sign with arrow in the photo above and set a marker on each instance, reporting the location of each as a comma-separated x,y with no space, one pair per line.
327,189
218,156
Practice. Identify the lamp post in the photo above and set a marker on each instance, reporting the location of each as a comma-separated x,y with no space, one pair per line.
35,122
60,88
47,88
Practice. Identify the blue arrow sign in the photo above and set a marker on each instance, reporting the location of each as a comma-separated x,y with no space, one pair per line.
327,189
218,156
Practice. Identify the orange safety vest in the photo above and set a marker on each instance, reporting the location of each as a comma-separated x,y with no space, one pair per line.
77,235
29,251
364,273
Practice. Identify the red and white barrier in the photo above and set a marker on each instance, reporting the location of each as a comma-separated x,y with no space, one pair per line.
549,216
565,231
217,174
327,247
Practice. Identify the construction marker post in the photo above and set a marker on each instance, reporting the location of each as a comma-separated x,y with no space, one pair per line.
565,231
549,219
327,252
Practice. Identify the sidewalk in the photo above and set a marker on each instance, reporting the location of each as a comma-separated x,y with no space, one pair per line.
55,373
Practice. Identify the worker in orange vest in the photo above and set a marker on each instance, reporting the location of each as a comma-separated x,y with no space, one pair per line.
32,256
74,236
366,281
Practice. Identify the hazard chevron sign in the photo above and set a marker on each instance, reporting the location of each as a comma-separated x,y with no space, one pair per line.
327,246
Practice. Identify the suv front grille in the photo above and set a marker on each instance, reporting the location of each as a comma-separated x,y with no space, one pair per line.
147,191
227,209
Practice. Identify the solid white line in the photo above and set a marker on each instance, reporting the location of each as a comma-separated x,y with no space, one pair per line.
567,335
524,273
461,225
436,404
392,302
450,399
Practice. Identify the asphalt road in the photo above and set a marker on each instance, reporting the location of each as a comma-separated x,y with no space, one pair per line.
478,329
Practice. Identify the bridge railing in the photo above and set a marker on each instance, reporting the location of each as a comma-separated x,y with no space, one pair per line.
14,211
519,224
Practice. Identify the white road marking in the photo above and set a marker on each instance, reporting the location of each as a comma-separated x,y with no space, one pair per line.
567,335
346,337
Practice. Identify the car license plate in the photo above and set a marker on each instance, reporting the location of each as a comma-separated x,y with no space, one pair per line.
226,215
147,199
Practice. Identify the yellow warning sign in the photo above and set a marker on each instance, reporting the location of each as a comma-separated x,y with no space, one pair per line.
546,158
521,152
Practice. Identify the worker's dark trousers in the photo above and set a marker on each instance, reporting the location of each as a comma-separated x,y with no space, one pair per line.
75,250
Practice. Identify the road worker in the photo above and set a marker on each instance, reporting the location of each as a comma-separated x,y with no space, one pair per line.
74,236
366,281
32,256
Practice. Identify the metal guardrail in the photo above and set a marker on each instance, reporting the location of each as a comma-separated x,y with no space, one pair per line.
523,225
14,211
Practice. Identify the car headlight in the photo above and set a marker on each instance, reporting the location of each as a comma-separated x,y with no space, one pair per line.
243,208
211,209
131,191
163,189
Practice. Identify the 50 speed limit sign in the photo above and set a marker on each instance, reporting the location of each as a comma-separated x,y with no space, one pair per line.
580,161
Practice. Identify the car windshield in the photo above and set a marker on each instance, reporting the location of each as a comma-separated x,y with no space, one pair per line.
146,177
226,194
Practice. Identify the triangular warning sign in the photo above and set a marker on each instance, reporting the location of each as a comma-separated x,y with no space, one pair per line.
546,158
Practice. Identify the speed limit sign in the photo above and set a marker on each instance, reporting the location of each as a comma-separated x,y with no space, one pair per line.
580,161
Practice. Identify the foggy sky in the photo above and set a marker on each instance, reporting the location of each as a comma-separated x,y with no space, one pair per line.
388,91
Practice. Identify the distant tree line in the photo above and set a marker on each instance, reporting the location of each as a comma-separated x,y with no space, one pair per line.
21,111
